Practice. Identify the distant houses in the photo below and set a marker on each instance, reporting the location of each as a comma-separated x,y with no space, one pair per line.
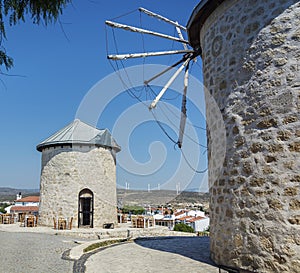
194,218
26,205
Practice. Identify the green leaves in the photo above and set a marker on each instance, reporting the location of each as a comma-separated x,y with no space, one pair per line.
183,228
5,60
14,11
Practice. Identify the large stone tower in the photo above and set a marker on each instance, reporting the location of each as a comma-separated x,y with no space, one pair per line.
251,66
78,176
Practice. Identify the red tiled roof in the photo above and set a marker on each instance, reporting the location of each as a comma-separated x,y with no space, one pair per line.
29,199
24,208
184,218
195,219
179,213
164,220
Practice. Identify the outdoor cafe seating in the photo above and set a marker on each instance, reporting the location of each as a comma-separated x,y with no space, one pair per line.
122,218
62,223
142,221
28,220
7,218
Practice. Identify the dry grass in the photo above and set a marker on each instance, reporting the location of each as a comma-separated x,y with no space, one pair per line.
103,244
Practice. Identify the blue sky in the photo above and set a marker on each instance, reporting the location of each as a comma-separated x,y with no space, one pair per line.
57,66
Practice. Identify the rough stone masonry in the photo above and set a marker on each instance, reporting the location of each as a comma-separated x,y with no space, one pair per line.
78,177
251,66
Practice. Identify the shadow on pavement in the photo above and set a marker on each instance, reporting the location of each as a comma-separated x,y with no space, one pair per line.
196,248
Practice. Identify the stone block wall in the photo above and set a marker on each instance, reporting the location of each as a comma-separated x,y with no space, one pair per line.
251,66
66,171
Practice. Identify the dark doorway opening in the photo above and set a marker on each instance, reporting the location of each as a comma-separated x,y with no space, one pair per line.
85,208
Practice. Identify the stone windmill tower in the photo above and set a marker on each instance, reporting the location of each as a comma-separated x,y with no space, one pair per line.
251,65
78,176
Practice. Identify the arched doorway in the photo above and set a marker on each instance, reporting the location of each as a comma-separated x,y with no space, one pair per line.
85,208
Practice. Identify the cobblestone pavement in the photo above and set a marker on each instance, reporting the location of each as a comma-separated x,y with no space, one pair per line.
176,255
40,250
34,253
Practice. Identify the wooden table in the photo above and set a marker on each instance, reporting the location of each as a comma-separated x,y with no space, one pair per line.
62,223
29,221
7,219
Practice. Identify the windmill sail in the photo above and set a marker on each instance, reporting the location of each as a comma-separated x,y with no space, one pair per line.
150,13
147,54
188,55
144,31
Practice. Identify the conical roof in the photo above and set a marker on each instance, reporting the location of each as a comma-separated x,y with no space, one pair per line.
78,132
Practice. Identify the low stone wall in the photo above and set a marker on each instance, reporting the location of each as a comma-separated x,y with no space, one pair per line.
123,233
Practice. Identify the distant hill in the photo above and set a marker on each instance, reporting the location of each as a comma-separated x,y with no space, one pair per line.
9,194
160,197
128,197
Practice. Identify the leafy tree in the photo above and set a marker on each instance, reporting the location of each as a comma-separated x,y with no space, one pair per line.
133,209
2,209
183,228
3,206
14,11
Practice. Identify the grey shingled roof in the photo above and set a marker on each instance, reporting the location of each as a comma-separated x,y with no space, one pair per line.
78,132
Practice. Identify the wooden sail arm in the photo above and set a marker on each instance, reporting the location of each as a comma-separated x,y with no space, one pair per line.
146,82
147,54
181,37
192,55
144,31
152,14
183,107
171,80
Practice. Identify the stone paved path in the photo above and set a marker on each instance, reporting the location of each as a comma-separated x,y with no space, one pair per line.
163,255
34,253
39,250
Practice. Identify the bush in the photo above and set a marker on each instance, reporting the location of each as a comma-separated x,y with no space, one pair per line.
3,206
183,228
133,209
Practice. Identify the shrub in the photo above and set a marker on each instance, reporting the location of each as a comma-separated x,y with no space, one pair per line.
133,209
183,228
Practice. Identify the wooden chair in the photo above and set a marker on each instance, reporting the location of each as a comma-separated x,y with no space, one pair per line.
151,222
6,219
70,223
140,222
54,222
62,223
30,221
134,221
22,220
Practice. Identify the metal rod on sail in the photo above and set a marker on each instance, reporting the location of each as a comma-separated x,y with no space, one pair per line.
150,13
171,80
192,56
145,31
164,71
147,54
183,107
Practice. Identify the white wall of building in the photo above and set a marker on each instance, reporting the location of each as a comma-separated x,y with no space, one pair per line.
200,225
